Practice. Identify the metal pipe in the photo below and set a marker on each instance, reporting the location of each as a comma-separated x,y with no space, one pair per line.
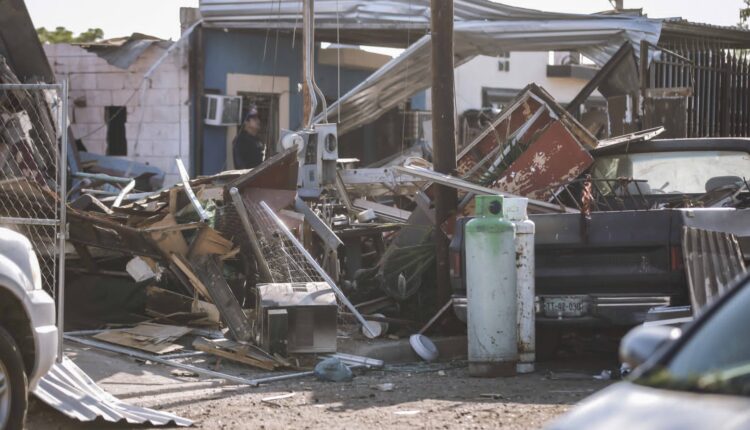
125,191
340,294
365,362
358,359
63,228
239,205
189,190
143,356
102,177
28,221
308,42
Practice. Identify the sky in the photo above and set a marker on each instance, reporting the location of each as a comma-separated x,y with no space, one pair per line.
161,18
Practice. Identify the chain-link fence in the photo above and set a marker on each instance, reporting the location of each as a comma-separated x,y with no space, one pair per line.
33,148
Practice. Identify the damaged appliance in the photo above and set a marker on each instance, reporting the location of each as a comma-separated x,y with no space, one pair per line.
296,318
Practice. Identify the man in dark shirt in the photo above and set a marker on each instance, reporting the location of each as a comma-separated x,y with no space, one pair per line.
248,150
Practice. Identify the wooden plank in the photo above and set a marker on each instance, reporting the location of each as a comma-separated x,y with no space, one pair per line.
235,352
186,269
154,338
165,302
208,269
209,242
170,241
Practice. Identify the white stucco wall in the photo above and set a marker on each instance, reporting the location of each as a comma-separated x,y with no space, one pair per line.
525,68
157,128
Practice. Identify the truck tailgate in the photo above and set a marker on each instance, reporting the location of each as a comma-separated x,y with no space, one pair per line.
618,253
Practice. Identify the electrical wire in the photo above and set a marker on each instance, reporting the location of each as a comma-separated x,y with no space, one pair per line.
406,80
338,64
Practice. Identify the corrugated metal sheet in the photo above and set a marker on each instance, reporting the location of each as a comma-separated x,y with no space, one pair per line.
481,28
359,12
68,389
409,73
712,260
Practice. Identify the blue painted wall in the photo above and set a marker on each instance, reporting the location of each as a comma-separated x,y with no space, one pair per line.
243,52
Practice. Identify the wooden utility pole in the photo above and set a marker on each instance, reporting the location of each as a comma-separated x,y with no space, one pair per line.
443,134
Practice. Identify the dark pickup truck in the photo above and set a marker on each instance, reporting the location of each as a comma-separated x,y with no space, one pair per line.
625,257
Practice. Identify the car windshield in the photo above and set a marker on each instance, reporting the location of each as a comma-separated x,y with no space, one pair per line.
716,358
684,172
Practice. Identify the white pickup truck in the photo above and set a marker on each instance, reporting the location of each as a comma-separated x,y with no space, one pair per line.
28,334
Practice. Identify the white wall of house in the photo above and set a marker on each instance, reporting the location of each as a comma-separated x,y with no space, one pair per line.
525,68
157,127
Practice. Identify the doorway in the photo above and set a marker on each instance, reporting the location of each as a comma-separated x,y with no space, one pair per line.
271,95
268,113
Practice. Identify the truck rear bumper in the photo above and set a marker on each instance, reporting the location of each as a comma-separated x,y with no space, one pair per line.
596,309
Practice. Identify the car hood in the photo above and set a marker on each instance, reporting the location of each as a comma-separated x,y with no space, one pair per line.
628,406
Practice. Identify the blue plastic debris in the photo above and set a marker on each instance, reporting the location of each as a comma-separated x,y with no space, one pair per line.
333,370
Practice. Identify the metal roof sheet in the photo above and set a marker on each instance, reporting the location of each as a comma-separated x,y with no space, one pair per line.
68,389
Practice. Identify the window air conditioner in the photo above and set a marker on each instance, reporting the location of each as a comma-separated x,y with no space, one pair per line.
222,110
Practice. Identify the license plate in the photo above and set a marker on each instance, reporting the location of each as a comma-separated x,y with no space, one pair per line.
565,306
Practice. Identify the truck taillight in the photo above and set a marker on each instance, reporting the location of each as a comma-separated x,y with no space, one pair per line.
675,259
455,269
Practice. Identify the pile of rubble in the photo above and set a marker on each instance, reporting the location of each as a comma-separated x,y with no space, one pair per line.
241,250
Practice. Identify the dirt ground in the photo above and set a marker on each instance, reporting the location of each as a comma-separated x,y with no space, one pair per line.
440,395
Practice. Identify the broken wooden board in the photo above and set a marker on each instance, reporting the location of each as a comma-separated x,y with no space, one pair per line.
209,242
241,353
208,269
165,302
154,338
169,241
185,267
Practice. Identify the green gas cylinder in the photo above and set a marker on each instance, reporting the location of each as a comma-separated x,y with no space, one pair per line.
491,290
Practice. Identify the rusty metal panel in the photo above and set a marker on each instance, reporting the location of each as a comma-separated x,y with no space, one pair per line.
554,158
278,172
622,114
509,136
712,260
473,159
670,112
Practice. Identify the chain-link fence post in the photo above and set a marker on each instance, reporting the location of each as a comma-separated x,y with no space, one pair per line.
33,176
63,230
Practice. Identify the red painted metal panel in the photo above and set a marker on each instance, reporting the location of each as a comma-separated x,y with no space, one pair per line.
554,158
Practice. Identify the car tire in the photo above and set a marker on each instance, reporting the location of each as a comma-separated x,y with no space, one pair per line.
10,357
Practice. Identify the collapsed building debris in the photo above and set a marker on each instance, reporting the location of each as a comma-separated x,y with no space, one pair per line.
269,267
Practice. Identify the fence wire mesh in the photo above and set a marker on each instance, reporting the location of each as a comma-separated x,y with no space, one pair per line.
285,261
32,117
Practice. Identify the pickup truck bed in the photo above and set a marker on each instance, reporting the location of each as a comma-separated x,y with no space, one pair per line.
624,262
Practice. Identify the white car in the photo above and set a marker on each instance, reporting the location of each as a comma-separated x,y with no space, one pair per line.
28,334
688,379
